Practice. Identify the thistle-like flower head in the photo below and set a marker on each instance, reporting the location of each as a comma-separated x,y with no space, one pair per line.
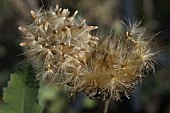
57,44
117,66
63,52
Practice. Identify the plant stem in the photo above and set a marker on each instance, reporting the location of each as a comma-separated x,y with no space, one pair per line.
106,106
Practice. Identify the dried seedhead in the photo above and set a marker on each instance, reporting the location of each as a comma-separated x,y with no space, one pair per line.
63,52
57,44
116,66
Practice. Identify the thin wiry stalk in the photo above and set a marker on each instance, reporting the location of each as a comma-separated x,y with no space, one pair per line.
106,107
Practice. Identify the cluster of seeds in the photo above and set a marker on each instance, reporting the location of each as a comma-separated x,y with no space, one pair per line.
63,52
56,44
117,65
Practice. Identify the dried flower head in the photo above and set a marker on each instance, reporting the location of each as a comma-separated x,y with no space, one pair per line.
63,52
117,65
57,44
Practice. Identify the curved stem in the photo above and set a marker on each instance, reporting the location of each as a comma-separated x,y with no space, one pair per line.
106,106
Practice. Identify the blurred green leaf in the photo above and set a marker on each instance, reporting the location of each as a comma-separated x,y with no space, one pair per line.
3,51
89,104
51,99
20,96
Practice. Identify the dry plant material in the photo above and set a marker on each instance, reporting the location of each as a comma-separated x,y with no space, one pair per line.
64,53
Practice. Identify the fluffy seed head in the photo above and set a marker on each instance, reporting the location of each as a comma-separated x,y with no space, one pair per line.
117,65
56,43
63,52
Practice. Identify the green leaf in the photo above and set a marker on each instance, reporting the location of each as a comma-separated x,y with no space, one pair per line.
20,96
89,104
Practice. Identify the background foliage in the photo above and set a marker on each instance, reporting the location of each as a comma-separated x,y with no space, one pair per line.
21,94
150,97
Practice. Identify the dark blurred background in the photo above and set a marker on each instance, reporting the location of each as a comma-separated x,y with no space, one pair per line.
152,96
